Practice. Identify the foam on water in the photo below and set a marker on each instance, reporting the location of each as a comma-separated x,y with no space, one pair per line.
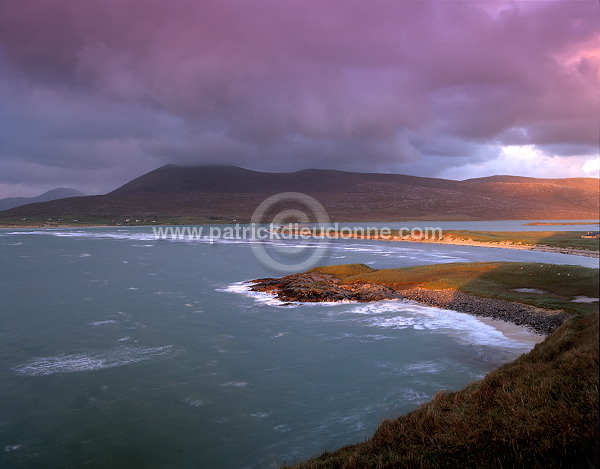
390,249
194,402
119,356
243,288
235,384
102,323
140,236
407,314
400,314
9,448
427,366
270,300
150,236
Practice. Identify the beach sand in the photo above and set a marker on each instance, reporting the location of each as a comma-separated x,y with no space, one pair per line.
513,331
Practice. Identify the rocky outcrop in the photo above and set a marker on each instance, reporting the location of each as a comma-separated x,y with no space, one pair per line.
314,287
321,288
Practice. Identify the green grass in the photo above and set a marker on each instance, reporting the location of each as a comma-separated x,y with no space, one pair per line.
344,271
539,411
487,279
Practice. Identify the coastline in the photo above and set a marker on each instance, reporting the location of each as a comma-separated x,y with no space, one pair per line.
471,243
445,241
507,245
540,407
509,329
550,392
513,331
316,287
537,320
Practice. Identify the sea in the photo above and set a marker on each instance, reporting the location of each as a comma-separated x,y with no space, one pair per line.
121,350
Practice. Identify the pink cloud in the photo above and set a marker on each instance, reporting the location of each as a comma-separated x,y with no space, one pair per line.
267,84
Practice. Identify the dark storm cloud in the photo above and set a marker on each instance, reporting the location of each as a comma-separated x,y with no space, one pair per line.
106,90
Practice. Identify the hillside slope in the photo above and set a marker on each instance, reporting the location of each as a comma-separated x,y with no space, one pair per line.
233,193
53,194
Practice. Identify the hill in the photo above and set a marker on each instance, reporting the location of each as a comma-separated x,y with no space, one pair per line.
53,194
228,193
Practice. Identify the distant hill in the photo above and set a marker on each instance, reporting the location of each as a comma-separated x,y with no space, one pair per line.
52,194
234,193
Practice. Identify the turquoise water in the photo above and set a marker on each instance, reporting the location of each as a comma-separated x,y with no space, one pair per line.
118,350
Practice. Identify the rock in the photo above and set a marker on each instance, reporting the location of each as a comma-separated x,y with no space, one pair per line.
321,288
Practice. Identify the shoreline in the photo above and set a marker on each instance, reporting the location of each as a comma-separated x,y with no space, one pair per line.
525,247
465,242
513,331
519,332
314,287
537,320
446,241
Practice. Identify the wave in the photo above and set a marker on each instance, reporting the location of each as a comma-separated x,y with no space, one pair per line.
243,288
119,356
102,323
406,314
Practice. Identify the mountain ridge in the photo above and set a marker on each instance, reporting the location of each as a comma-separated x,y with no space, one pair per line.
52,194
231,192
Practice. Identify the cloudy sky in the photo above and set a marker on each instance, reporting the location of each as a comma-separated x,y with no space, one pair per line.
95,93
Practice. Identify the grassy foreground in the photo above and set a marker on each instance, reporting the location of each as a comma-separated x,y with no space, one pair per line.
540,410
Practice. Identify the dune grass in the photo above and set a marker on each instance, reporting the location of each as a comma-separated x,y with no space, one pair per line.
539,411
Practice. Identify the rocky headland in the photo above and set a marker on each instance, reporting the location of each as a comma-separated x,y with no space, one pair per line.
318,287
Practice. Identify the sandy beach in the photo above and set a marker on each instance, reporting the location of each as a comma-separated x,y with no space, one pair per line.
466,242
513,331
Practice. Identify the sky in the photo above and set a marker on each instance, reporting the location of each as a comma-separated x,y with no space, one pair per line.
95,93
